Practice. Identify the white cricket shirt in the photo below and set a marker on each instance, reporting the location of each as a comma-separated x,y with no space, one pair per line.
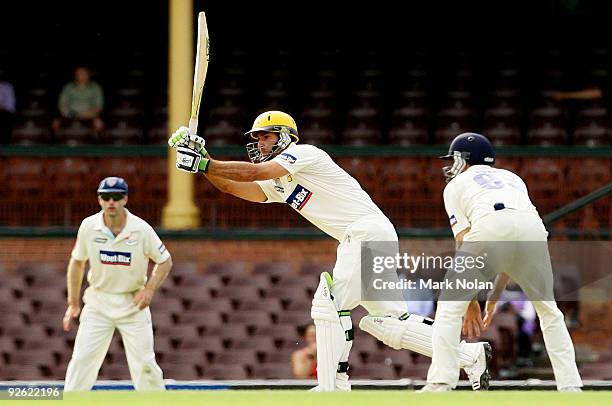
318,189
117,265
471,195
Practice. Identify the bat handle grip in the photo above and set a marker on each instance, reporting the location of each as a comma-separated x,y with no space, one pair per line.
193,126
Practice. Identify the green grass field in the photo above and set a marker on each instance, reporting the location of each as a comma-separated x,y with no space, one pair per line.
355,398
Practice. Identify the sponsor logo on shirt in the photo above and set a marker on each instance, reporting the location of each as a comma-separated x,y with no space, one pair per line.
100,240
299,197
115,258
278,186
132,239
162,248
288,157
453,220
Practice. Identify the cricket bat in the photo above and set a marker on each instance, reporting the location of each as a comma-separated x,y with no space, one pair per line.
199,74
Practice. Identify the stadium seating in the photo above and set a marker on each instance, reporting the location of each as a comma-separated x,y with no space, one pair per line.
198,338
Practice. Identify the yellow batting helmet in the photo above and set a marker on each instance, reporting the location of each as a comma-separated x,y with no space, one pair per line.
274,122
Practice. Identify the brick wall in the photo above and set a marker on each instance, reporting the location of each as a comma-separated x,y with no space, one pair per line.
57,251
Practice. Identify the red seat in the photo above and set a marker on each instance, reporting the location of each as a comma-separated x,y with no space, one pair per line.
257,343
593,134
500,133
21,373
281,370
227,269
223,305
209,345
546,134
250,318
246,292
287,333
315,268
231,332
408,132
316,133
280,355
244,357
273,269
184,269
261,282
176,331
114,371
224,372
182,372
449,128
183,357
297,317
545,180
201,318
362,134
31,131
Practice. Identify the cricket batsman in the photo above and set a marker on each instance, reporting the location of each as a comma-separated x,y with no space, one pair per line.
490,209
307,179
118,246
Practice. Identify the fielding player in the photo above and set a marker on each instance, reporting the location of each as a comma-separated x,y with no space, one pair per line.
307,179
118,246
490,209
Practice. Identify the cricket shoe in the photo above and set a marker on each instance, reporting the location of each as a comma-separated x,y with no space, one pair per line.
435,387
478,373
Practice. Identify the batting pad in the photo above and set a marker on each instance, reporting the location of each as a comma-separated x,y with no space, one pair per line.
333,344
413,333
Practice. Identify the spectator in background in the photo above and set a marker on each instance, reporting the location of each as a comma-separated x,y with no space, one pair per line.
7,108
82,99
304,360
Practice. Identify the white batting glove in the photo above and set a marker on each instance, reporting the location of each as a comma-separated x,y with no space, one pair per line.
182,138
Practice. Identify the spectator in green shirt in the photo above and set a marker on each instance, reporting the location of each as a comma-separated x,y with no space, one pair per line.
82,99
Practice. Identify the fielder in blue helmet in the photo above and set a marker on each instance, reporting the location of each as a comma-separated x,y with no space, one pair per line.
113,184
468,149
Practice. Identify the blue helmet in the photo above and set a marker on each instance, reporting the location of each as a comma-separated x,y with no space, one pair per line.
468,148
113,184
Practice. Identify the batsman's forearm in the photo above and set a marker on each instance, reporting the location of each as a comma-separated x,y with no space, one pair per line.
233,170
74,278
159,274
500,284
219,183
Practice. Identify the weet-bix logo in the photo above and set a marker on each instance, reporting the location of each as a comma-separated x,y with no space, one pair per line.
288,157
299,197
115,258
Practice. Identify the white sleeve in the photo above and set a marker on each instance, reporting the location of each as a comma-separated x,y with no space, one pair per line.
155,248
452,202
267,186
297,158
79,252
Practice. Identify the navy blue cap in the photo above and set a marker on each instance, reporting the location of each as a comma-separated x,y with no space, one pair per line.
113,184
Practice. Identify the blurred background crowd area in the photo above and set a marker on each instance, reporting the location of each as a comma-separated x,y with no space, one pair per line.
515,97
363,75
244,319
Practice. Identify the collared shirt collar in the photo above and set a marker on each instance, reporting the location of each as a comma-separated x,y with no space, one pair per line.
128,228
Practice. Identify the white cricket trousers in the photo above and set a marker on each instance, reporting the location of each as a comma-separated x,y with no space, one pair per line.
532,272
347,272
92,342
